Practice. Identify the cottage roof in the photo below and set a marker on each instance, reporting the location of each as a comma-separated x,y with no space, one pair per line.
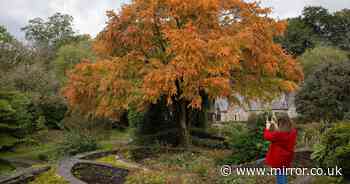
282,103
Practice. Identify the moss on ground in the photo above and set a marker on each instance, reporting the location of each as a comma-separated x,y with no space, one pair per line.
49,177
112,160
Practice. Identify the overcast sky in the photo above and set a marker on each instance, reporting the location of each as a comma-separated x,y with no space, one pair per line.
89,15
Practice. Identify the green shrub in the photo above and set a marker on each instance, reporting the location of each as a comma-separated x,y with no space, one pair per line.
309,134
77,142
53,110
15,119
334,148
41,86
43,157
40,123
247,144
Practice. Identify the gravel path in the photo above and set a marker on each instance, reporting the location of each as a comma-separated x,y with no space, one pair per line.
65,168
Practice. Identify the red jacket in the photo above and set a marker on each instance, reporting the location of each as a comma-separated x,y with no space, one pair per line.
281,150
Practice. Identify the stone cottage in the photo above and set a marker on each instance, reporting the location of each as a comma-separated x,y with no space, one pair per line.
222,111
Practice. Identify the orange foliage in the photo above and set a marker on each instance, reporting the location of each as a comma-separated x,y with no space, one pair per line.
179,49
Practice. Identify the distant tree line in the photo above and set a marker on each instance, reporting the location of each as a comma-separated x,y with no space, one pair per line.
317,26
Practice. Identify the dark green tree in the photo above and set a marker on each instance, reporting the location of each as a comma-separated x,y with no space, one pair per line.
324,95
340,29
298,37
316,26
333,28
318,18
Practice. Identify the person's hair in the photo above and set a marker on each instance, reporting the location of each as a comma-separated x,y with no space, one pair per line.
284,123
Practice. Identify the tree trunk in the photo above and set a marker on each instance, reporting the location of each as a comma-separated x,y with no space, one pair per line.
185,139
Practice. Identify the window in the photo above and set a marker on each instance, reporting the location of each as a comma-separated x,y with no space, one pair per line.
236,117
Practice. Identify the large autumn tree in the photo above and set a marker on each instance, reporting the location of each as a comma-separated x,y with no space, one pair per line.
180,50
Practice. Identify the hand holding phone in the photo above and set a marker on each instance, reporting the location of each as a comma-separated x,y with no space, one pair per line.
274,121
271,120
268,123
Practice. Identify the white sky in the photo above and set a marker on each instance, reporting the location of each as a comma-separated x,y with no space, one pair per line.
89,15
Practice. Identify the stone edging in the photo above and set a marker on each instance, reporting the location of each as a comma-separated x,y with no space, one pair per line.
66,165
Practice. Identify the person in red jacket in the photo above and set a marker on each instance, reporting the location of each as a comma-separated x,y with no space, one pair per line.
280,132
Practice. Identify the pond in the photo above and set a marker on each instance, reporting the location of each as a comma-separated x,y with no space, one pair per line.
99,174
